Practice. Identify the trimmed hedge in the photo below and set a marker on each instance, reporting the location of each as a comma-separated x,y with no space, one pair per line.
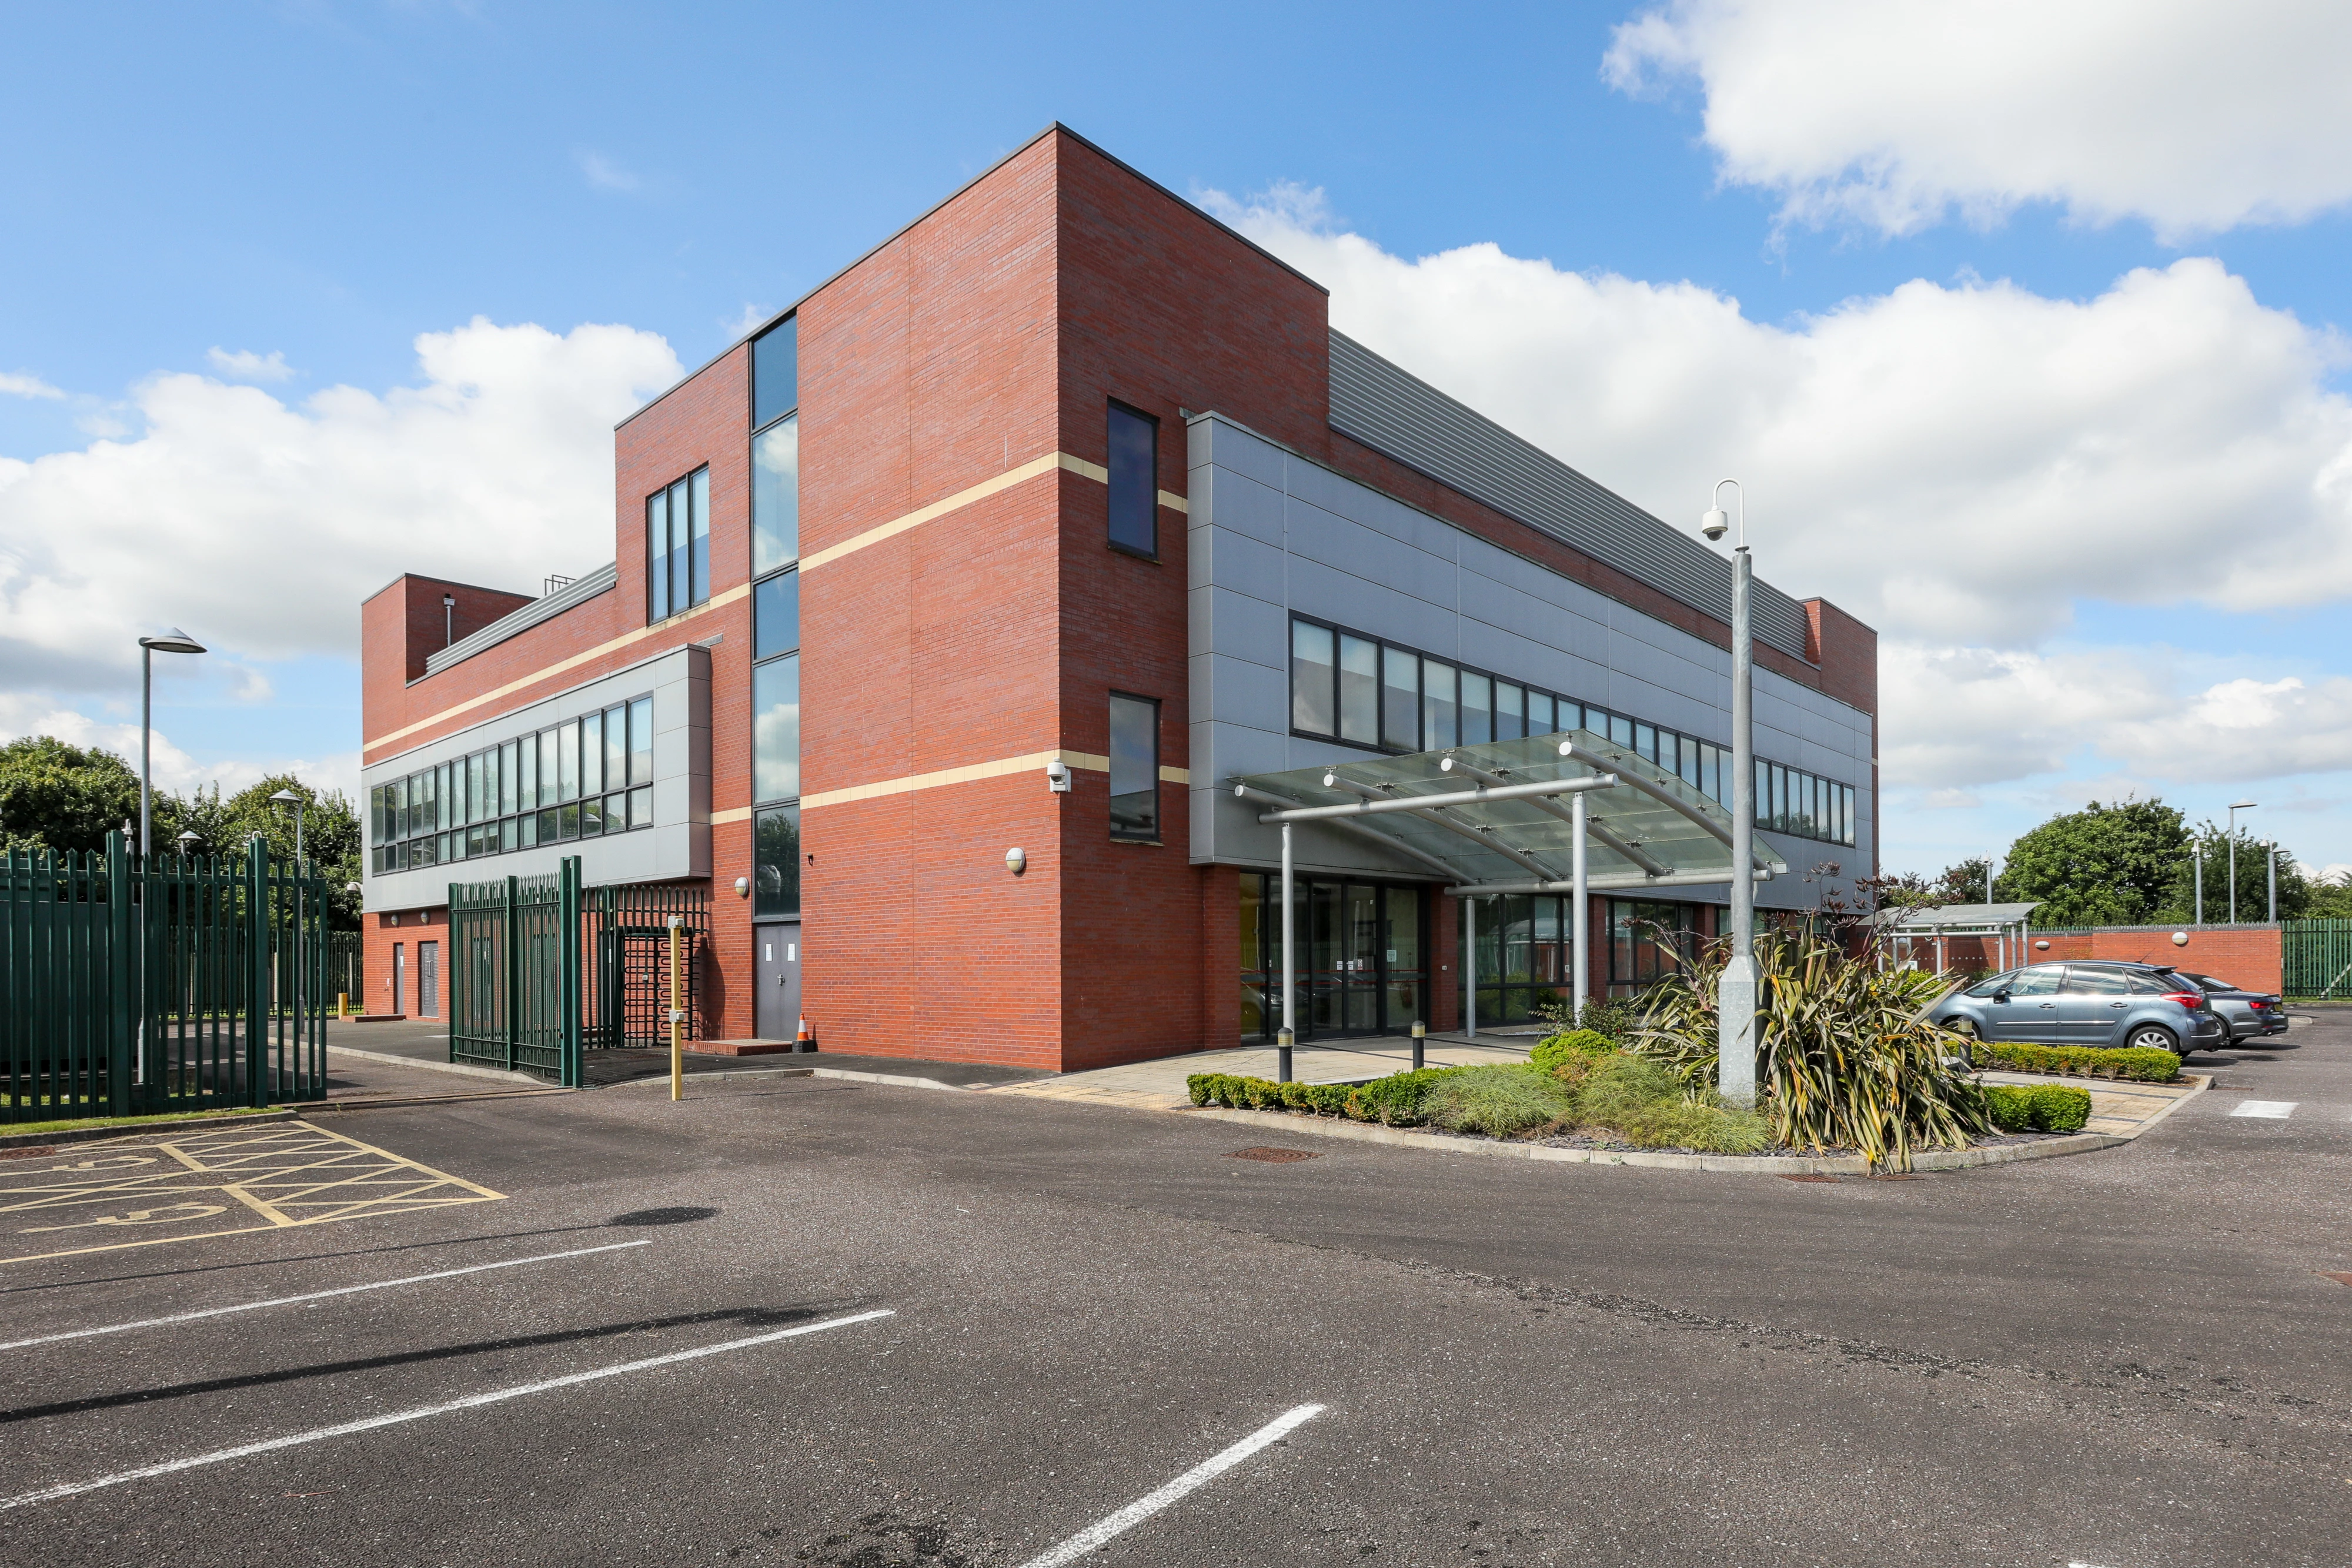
1394,1100
2038,1108
2142,1065
1554,1050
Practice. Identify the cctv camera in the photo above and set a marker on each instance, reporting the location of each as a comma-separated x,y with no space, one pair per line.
1715,524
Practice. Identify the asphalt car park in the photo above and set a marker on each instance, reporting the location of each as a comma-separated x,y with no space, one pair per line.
813,1321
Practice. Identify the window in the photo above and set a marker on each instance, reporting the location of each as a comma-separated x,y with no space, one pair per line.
1311,672
776,861
582,778
2082,982
776,496
1134,481
776,728
1134,768
776,372
1400,699
1647,941
677,547
1361,953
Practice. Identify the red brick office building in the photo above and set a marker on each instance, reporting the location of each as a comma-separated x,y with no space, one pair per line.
942,565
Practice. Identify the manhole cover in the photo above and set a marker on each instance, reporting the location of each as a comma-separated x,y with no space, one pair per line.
1273,1156
1807,1178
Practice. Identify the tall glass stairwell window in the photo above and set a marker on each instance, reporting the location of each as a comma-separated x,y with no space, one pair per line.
775,554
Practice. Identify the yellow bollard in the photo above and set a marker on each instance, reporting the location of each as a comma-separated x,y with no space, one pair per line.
343,1004
677,1021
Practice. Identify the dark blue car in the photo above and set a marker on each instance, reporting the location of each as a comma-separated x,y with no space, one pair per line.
2097,1004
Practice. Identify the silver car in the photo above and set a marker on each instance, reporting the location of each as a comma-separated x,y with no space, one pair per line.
2094,1004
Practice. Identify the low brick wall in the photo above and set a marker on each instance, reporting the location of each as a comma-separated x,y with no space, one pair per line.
2248,955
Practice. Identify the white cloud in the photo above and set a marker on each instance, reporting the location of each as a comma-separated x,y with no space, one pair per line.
174,770
1956,464
15,386
260,526
2194,116
245,365
606,174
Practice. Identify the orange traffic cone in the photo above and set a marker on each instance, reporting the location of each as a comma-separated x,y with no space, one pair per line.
805,1040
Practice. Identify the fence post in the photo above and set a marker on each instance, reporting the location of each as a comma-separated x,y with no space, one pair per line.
125,973
574,1069
259,938
514,972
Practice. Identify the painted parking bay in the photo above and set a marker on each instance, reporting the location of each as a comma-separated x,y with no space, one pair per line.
193,1184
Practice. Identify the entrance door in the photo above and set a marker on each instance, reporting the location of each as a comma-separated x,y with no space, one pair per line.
778,1012
429,980
399,976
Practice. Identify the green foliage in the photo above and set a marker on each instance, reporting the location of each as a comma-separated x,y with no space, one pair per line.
2138,1063
1554,1050
63,797
1607,1018
1500,1102
1394,1100
1845,1058
68,798
2103,865
1644,1103
2038,1108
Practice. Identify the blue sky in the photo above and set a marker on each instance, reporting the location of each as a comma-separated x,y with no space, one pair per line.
326,182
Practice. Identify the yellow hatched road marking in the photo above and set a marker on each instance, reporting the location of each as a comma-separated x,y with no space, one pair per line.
293,1173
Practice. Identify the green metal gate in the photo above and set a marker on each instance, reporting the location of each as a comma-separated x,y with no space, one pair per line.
514,974
2317,955
628,935
191,984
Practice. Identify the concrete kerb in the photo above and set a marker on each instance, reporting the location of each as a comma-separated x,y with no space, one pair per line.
1726,1164
895,1079
464,1068
138,1129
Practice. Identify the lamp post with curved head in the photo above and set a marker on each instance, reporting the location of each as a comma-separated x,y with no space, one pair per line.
1736,994
172,641
2235,807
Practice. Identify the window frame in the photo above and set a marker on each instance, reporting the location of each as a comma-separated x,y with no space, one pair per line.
686,546
1110,741
1113,407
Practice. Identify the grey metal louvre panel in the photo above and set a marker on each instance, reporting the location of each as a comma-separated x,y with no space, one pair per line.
1394,412
601,580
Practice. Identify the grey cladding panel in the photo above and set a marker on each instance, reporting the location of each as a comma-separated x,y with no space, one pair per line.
1398,413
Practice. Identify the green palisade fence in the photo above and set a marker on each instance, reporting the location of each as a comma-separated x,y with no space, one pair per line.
2317,957
189,984
514,977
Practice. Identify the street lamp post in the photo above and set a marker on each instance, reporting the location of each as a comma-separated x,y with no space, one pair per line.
2235,807
173,641
2273,881
1736,994
2199,854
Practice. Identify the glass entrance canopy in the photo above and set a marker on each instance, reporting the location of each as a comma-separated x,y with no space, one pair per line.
1490,825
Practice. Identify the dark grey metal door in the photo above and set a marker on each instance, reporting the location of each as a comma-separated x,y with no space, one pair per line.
778,1012
429,980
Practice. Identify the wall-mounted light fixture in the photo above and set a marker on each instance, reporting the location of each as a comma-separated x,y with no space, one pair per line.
1057,776
1016,861
742,887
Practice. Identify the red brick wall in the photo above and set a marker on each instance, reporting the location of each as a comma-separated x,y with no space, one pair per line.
378,935
2246,955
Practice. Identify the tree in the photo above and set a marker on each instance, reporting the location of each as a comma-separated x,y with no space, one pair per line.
2300,895
2103,865
1964,883
330,834
62,797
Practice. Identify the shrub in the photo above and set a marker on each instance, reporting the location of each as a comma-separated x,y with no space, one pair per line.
1846,1056
2137,1062
1644,1103
1499,1101
1396,1101
1554,1051
2038,1108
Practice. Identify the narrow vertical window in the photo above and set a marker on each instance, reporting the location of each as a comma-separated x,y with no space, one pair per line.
1400,699
1359,691
1311,676
1540,715
592,755
697,542
776,372
1510,719
680,500
641,741
1134,481
776,496
1477,709
776,728
527,774
776,861
567,763
1437,704
776,616
1134,768
547,768
657,556
616,747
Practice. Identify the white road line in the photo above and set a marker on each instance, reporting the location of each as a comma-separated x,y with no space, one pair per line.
1143,1507
316,1295
472,1401
2276,1110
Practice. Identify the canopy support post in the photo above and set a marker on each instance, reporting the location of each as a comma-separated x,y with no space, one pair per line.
1470,967
1289,972
1578,904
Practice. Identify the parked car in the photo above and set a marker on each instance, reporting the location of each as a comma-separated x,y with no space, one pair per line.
2247,1015
2096,1004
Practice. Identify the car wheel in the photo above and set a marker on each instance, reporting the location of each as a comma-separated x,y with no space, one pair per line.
2156,1037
